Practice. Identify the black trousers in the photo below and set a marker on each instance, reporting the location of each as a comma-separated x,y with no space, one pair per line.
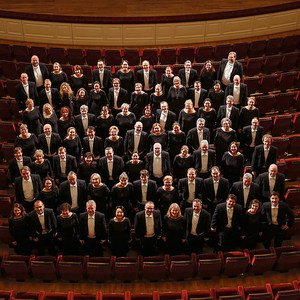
195,243
149,246
46,241
273,231
93,247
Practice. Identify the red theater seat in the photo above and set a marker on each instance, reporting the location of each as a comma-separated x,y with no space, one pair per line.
128,268
294,146
112,57
234,263
290,43
21,53
204,53
168,56
273,46
281,124
6,52
254,66
183,266
221,51
132,56
16,266
284,101
268,83
71,268
151,55
209,265
41,52
155,268
75,56
57,55
257,48
9,69
293,166
252,83
292,197
288,257
286,81
271,64
92,56
44,268
186,53
282,143
241,49
265,104
100,269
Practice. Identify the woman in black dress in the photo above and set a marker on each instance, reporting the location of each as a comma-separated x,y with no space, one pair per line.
41,165
176,139
57,76
139,99
65,121
115,141
97,99
68,230
174,230
167,80
147,119
100,193
81,99
156,98
66,96
224,136
209,114
19,230
187,117
32,118
134,166
50,117
126,76
49,194
208,75
78,80
158,135
103,123
252,226
87,167
248,112
119,233
182,162
166,195
233,163
27,141
176,96
72,143
216,95
125,120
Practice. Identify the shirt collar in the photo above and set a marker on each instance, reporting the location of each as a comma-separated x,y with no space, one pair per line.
159,156
196,214
91,217
147,216
65,159
73,185
29,180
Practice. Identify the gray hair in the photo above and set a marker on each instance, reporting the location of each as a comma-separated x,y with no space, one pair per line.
91,202
84,107
247,176
204,142
200,120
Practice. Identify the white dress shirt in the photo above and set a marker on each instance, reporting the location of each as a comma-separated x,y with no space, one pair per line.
157,166
229,217
74,195
195,220
146,80
38,76
204,162
91,226
227,73
274,212
236,94
28,190
149,226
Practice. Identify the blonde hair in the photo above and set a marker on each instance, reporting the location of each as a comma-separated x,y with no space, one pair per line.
174,206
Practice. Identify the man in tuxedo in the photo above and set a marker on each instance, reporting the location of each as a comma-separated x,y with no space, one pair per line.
110,167
188,76
197,226
158,164
197,95
117,96
270,182
229,111
216,189
228,69
103,76
144,191
245,191
197,134
136,140
63,163
43,228
147,77
25,90
37,72
49,95
263,156
278,219
251,137
16,164
227,223
92,143
92,230
147,226
83,121
74,192
27,188
204,160
238,90
190,188
164,116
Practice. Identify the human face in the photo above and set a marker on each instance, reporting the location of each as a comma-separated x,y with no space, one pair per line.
254,207
156,129
104,113
146,65
81,94
157,150
231,57
48,184
119,214
18,155
147,112
236,80
25,174
188,106
24,78
207,104
274,200
217,87
65,213
254,123
88,159
125,110
267,142
204,148
226,125
91,133
197,86
158,90
200,125
184,152
138,127
17,212
56,68
251,103
125,65
167,183
39,207
176,83
30,105
164,107
72,179
100,65
90,210
109,154
64,88
47,85
135,157
149,209
24,131
123,182
39,158
72,133
191,175
168,71
77,72
113,132
187,66
230,203
229,102
116,84
176,129
197,207
273,170
233,148
208,67
138,88
65,113
215,174
48,110
83,112
174,212
35,61
62,154
97,88
95,181
247,181
144,178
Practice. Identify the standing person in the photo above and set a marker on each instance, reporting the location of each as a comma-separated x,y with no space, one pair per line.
239,91
49,95
32,118
83,121
187,116
102,76
81,99
158,135
208,75
182,162
197,95
197,134
97,99
50,116
115,141
157,97
65,121
92,143
41,165
147,77
167,80
248,112
188,76
58,76
209,114
216,95
164,116
103,123
126,77
49,194
125,120
139,99
117,96
78,80
176,139
67,97
147,119
72,143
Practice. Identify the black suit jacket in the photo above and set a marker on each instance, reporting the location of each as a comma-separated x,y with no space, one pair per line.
152,78
100,226
234,116
107,79
129,143
183,188
209,192
123,97
192,139
166,165
55,98
203,226
198,162
192,78
171,118
30,72
243,92
151,192
140,224
21,96
237,69
258,163
118,167
203,96
79,125
35,225
246,138
55,143
13,168
263,181
98,149
71,165
237,189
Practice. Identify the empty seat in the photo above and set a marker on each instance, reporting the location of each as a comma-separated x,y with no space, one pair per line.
257,48
292,197
288,257
16,266
265,104
273,46
155,268
268,83
209,265
288,295
290,43
266,123
4,181
5,111
41,52
200,294
293,166
7,151
186,53
234,263
168,56
271,64
7,131
252,83
57,55
6,52
21,53
87,71
100,269
112,57
286,81
176,69
284,101
275,288
151,55
92,56
217,293
281,124
2,89
128,268
261,296
296,123
282,143
44,268
160,69
203,54
253,290
75,56
71,267
145,296
22,66
289,61
5,206
132,56
294,146
241,49
9,69
68,70
7,295
254,66
183,266
221,51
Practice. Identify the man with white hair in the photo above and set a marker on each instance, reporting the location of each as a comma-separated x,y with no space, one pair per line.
49,141
83,121
238,90
147,77
197,134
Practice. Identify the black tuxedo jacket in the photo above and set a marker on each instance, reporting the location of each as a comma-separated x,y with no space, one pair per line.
100,226
243,92
234,116
152,78
140,224
258,163
21,96
129,143
44,99
123,97
35,224
263,181
13,168
183,188
107,79
209,192
151,192
30,72
237,189
192,78
203,96
166,165
237,69
55,143
98,148
171,118
118,168
203,226
198,162
79,125
246,138
192,139
71,165
37,187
